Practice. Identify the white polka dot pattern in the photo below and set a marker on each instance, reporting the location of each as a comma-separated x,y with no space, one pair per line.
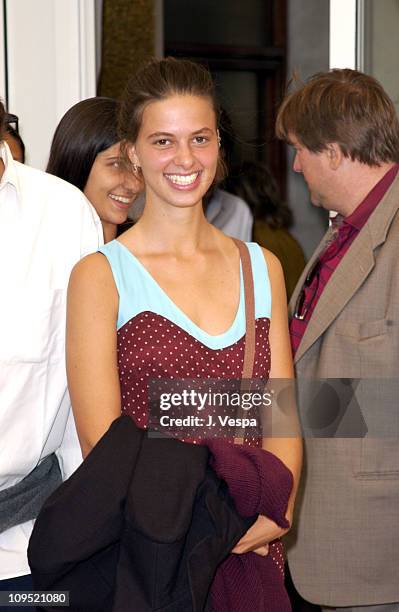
152,347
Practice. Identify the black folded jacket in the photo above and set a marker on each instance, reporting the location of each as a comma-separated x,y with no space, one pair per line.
141,526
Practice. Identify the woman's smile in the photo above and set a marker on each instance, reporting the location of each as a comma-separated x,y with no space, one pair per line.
184,181
123,202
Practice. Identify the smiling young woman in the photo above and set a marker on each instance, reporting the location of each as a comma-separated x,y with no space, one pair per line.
85,151
177,150
166,300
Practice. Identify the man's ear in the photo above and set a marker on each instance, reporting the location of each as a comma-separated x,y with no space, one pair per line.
335,155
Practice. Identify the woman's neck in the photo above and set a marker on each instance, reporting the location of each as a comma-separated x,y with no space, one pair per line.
173,229
109,231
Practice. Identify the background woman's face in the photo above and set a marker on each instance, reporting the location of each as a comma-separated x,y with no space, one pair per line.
111,186
177,149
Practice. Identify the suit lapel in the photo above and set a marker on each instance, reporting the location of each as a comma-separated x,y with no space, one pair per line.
319,249
343,284
351,272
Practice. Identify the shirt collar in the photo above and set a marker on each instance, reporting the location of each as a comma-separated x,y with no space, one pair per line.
10,170
358,218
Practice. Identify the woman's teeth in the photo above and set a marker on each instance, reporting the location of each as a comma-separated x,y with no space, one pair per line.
120,199
182,179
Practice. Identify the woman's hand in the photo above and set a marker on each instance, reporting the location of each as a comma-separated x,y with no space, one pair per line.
257,538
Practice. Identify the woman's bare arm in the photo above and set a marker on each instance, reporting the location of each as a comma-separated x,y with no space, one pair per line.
91,349
287,449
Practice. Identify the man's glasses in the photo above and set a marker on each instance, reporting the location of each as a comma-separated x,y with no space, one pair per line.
302,305
13,121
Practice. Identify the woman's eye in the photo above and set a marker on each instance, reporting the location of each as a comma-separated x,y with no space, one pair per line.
162,142
200,139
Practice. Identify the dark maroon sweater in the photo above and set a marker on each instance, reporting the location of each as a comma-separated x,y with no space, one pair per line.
260,484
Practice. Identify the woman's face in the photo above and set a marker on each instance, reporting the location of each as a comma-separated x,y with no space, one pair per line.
177,149
111,187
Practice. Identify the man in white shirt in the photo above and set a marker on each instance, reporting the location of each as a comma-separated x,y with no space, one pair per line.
230,214
46,226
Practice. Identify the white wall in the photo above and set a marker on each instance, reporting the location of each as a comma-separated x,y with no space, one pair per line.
2,56
51,66
343,22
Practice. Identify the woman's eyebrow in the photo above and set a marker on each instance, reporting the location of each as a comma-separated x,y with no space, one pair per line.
204,129
169,135
157,134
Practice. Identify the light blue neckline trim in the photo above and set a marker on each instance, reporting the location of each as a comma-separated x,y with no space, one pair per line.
134,299
182,320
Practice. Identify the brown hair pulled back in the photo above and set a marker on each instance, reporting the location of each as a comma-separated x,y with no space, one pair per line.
159,80
343,106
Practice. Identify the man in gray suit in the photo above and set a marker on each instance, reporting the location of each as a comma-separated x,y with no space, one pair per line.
345,326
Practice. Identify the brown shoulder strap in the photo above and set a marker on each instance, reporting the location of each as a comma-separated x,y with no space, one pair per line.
249,352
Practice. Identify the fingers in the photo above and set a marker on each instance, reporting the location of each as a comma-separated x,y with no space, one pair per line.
263,551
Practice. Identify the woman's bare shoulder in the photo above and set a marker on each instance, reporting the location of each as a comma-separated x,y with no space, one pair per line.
91,273
273,264
271,259
95,264
276,276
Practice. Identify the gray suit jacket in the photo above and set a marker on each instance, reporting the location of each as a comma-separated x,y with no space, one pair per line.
344,550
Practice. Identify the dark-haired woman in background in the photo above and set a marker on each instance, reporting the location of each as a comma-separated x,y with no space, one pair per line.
86,152
272,218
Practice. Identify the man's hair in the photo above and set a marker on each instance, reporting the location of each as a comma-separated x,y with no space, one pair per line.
2,120
17,137
343,106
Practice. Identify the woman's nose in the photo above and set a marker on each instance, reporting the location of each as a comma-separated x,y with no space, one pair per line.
184,156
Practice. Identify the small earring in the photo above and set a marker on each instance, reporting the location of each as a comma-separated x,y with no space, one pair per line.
136,168
219,139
